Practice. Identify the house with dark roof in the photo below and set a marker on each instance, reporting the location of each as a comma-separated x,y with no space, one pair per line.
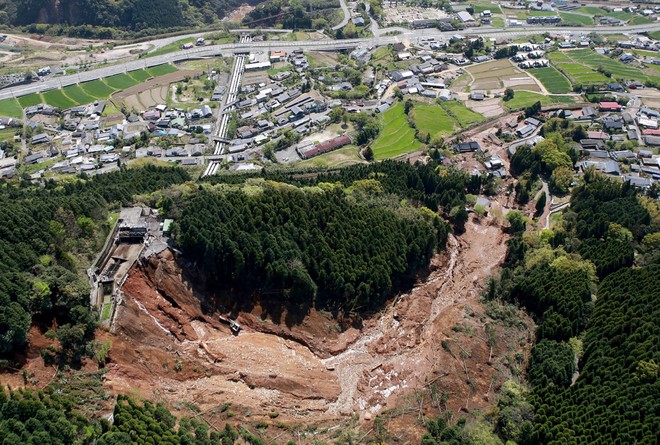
466,147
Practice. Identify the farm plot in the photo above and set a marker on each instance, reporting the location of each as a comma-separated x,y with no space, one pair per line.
492,7
161,70
150,93
552,80
139,75
576,19
97,88
57,99
78,95
576,72
396,136
432,119
120,81
500,74
618,69
463,116
10,108
30,99
523,99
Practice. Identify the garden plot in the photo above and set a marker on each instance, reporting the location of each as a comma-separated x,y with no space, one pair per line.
500,74
150,93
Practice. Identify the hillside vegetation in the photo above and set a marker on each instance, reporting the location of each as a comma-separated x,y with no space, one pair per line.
112,19
330,245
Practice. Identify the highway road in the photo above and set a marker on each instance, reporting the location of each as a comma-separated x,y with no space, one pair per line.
328,45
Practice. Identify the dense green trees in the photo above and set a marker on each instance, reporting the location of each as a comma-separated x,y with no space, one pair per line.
44,234
555,276
340,248
50,418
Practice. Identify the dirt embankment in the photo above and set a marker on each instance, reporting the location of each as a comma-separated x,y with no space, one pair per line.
427,350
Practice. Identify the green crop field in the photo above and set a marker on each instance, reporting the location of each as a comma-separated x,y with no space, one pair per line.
432,119
619,70
576,72
592,10
497,22
396,136
120,81
29,100
524,99
98,89
57,99
620,15
552,80
655,35
463,116
492,7
139,75
161,70
568,18
639,20
78,95
174,46
10,108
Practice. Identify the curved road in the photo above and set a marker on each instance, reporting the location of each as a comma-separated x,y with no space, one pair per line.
347,15
331,45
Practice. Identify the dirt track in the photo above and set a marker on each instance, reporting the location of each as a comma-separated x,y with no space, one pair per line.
167,347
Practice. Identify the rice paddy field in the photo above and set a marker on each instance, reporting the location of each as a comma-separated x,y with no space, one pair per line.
10,108
120,81
577,19
161,70
553,81
396,136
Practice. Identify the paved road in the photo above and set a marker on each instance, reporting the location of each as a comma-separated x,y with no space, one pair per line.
215,50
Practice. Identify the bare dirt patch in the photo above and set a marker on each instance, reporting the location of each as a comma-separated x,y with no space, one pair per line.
154,83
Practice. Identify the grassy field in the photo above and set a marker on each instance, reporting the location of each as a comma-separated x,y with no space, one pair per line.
481,7
524,99
139,75
396,137
432,119
463,116
10,108
57,99
97,88
273,71
8,133
655,35
29,100
592,10
174,46
344,156
552,80
78,95
639,20
568,18
497,22
161,70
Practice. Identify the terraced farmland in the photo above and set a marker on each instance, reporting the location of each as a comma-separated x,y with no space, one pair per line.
29,100
58,99
78,95
432,119
120,81
396,137
97,88
553,81
463,116
161,70
576,72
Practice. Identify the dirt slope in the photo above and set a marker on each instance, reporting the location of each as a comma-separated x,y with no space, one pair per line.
168,347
